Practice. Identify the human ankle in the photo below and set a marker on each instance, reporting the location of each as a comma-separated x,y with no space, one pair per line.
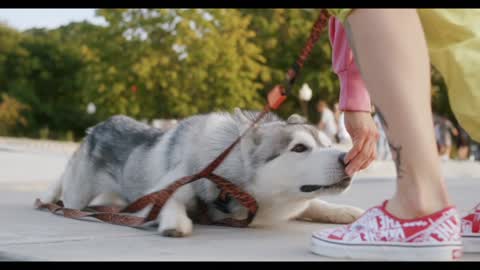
404,207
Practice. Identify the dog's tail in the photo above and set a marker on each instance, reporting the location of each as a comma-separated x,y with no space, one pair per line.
54,192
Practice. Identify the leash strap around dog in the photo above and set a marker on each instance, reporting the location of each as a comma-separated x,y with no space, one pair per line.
120,216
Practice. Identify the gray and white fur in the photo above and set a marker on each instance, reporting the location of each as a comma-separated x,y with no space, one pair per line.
285,165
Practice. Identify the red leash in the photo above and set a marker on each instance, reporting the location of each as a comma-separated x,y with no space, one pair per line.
119,216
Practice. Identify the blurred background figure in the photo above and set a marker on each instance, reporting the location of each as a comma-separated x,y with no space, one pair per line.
463,144
327,121
342,134
383,149
474,150
444,129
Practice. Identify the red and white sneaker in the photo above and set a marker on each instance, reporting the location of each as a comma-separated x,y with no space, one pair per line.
471,231
378,235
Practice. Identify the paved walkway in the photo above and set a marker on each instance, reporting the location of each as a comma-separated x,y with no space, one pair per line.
27,234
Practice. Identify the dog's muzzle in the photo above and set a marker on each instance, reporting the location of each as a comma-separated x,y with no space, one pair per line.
310,188
344,183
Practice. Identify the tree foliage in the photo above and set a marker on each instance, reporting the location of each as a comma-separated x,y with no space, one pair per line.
11,114
161,63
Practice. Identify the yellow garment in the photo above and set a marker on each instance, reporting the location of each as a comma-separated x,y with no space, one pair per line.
340,13
453,37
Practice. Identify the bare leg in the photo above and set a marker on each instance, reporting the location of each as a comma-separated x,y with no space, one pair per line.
391,52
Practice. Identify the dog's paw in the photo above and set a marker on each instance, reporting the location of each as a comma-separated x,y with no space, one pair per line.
176,226
172,233
345,215
323,212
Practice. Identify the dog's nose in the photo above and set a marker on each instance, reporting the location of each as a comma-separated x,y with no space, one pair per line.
341,159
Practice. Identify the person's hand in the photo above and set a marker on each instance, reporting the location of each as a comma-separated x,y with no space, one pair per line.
364,133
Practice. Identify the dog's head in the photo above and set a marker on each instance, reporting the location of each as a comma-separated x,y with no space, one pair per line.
291,158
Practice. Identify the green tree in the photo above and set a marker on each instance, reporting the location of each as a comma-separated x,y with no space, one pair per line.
282,33
11,114
44,76
189,61
9,39
164,63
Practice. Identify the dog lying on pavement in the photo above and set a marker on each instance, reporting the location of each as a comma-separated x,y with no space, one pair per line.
285,165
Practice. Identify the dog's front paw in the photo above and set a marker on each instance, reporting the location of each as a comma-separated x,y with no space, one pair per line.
176,226
320,211
346,215
173,233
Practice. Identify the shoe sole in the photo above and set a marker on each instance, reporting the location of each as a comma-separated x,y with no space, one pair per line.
471,244
386,252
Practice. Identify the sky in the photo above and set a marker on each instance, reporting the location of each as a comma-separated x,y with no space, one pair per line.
23,19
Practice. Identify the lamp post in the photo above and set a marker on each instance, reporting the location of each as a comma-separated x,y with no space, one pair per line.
305,95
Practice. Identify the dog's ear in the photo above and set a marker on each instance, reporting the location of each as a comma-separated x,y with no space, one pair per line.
241,117
296,119
242,121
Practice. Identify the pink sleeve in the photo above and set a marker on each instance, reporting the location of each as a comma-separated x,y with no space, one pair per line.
353,93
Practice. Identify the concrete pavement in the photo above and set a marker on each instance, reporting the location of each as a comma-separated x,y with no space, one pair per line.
28,234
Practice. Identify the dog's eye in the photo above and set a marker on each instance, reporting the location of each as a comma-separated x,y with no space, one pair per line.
299,148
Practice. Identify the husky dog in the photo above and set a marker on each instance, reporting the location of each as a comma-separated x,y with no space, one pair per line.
284,165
